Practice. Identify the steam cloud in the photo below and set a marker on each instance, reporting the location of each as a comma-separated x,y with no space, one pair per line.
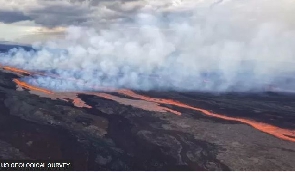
167,52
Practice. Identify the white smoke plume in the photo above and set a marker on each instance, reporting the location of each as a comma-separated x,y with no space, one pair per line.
211,48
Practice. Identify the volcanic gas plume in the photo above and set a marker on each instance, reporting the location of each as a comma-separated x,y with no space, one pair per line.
229,51
205,49
151,104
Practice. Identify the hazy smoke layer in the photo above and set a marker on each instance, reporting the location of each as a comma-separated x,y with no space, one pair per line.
210,49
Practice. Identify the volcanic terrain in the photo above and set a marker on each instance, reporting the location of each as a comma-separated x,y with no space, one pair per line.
131,130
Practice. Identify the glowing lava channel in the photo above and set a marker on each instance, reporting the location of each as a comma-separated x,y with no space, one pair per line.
281,133
149,106
30,87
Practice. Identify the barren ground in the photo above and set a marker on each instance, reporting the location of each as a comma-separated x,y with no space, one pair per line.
118,134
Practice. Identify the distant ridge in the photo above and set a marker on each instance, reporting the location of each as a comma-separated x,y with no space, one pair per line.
5,46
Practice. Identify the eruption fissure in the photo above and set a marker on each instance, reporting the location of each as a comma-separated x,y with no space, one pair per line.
281,133
181,51
80,103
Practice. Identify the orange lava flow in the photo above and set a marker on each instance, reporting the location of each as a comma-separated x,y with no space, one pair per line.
80,103
281,133
266,128
73,96
30,87
149,106
16,70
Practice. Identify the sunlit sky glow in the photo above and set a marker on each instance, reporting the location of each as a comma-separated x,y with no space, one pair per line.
28,21
227,37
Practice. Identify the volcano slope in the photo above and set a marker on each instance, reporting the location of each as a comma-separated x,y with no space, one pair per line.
128,130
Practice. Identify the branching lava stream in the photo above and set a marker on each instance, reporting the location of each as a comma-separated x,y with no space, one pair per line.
153,104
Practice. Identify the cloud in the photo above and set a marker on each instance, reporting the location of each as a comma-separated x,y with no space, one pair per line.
180,49
232,43
46,13
58,12
53,13
12,17
60,15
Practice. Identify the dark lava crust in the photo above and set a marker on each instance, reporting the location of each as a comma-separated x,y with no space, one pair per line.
111,136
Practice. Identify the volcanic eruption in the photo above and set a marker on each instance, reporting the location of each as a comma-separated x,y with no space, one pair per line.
181,56
193,86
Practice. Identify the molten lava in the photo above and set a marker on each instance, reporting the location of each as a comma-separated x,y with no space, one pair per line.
16,70
79,103
151,104
284,134
30,87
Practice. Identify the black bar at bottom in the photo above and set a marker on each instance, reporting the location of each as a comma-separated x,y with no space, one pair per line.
33,165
